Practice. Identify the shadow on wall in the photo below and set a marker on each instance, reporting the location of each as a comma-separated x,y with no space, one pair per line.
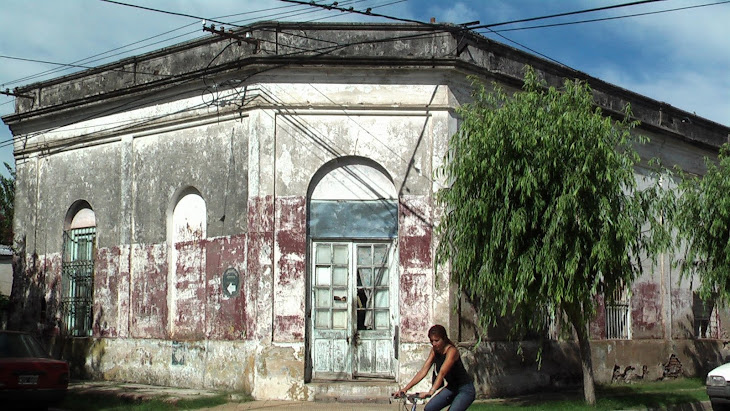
35,307
704,354
508,368
707,354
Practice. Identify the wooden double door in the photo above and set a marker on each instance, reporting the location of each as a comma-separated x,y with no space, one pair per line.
353,309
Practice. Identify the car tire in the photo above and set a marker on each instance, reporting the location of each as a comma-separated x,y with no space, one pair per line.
718,406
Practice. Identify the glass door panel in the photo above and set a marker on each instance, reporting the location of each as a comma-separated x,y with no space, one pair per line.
352,325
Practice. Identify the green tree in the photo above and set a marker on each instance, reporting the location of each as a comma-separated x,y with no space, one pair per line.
7,206
703,224
543,207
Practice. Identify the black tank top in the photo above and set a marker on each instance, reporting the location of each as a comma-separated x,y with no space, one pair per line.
457,375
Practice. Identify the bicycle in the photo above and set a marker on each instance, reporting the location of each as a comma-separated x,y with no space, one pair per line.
405,399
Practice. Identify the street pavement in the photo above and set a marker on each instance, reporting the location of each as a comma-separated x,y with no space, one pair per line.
148,392
143,392
300,405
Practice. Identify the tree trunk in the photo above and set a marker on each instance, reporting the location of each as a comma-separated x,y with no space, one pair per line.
584,344
589,387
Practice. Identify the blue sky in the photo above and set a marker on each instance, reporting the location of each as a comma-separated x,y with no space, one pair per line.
680,57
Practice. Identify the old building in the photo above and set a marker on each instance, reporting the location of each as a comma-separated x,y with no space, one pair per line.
256,212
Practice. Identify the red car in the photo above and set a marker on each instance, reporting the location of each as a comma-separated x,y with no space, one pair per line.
28,375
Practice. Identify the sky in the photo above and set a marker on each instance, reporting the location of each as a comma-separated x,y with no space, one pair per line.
680,57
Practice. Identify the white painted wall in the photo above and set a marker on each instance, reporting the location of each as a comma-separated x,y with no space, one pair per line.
6,275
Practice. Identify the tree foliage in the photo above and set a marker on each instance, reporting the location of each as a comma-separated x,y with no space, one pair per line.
543,211
7,206
703,223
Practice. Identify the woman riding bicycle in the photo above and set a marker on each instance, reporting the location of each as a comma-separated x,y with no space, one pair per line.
459,391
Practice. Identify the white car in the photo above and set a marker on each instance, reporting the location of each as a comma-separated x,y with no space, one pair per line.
718,387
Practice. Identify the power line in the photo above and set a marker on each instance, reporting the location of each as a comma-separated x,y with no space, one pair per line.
367,12
73,65
77,65
88,59
319,52
332,48
193,76
163,11
462,27
288,14
611,18
570,13
175,13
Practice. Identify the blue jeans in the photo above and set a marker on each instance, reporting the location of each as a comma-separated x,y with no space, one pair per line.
460,398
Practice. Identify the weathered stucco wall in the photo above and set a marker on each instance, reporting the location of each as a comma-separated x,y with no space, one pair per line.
250,145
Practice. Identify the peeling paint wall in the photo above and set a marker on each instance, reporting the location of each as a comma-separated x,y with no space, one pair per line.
226,304
416,262
148,292
290,271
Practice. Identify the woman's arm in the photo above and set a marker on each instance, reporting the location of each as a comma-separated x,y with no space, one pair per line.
452,355
420,375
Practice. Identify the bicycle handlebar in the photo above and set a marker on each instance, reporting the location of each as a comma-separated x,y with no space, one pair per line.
410,397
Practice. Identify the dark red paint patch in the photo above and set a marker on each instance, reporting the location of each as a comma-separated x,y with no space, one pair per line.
260,264
289,328
227,318
414,309
415,252
149,293
291,238
191,292
106,292
261,214
646,311
597,327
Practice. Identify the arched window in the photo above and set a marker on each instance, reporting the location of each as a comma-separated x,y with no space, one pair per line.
187,225
79,244
188,218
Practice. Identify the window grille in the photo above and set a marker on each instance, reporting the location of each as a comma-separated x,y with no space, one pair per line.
618,315
78,280
706,320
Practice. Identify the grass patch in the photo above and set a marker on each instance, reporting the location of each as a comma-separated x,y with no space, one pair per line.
611,397
92,402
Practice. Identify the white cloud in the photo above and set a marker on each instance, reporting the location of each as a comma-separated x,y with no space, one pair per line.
680,57
687,90
456,13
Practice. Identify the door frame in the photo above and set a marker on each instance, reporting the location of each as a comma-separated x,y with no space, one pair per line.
352,321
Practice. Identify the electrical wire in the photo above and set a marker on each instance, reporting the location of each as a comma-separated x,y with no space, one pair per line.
77,65
286,15
89,59
332,48
611,18
440,25
164,11
570,13
319,52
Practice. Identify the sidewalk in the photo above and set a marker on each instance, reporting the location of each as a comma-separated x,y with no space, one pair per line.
299,405
149,392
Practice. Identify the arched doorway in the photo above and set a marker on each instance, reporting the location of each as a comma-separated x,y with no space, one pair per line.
353,226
